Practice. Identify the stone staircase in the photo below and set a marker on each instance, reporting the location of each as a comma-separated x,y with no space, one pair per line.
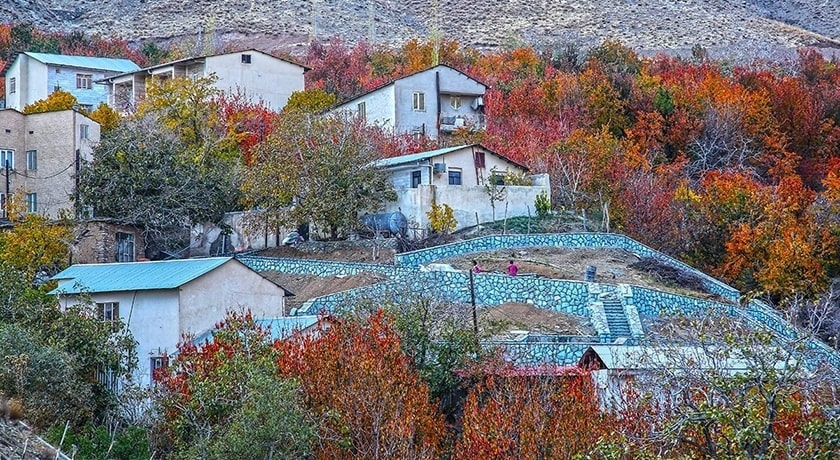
616,318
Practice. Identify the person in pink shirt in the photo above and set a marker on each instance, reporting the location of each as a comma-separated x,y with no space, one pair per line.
476,268
512,269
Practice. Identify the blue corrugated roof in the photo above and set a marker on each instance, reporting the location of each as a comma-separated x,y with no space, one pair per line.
86,62
133,276
280,328
413,157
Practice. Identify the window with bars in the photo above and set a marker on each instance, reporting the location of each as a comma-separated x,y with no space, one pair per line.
109,311
32,202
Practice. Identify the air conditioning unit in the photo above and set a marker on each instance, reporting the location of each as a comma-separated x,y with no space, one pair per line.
440,168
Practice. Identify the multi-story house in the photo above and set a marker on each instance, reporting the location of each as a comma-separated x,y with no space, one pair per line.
31,77
254,74
40,154
431,102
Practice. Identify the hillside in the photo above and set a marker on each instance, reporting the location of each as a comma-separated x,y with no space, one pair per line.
647,25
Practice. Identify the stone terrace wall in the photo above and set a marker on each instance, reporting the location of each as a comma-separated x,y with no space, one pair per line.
319,267
567,240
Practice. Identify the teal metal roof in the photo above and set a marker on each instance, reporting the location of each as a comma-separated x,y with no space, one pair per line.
414,157
86,62
280,328
133,276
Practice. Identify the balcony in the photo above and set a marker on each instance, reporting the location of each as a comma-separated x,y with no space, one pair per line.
471,122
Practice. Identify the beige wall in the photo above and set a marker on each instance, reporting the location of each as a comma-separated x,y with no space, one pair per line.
55,136
232,286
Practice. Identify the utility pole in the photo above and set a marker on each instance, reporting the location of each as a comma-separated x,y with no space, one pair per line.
472,301
371,23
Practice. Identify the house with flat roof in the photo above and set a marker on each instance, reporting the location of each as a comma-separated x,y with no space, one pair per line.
162,301
432,102
40,154
256,75
31,77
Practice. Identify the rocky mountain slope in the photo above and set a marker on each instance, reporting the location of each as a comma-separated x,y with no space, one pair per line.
647,25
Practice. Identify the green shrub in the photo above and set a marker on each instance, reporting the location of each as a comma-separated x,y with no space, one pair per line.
542,205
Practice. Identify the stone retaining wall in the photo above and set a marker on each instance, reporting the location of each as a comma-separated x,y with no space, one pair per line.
566,240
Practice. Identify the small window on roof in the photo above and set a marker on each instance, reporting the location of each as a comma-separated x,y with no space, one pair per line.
246,58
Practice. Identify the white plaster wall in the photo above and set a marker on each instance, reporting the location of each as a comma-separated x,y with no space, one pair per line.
466,201
31,76
232,286
379,107
266,78
151,317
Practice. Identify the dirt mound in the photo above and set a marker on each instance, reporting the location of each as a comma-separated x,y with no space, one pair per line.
305,287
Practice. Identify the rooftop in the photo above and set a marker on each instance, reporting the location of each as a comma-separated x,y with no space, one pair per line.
84,62
133,276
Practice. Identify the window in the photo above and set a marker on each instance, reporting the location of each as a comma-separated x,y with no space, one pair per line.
86,108
361,110
415,178
3,204
455,102
454,176
31,160
109,311
479,159
84,81
7,157
124,247
12,85
155,363
107,377
419,102
31,202
246,58
84,132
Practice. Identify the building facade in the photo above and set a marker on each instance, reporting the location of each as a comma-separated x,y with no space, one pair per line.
433,102
39,157
255,75
458,176
31,77
162,301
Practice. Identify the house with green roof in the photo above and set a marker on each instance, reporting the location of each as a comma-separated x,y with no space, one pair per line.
457,176
162,301
32,76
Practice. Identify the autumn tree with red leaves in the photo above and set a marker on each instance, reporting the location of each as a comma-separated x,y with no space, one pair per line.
533,413
370,402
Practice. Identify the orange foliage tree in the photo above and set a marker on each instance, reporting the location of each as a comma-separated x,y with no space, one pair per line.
536,413
371,402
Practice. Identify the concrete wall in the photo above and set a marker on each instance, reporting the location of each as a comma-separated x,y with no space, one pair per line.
232,286
266,78
56,137
207,239
31,82
466,201
151,317
379,107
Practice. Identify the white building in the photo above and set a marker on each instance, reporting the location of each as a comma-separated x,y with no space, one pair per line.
256,75
31,77
456,176
431,102
161,301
